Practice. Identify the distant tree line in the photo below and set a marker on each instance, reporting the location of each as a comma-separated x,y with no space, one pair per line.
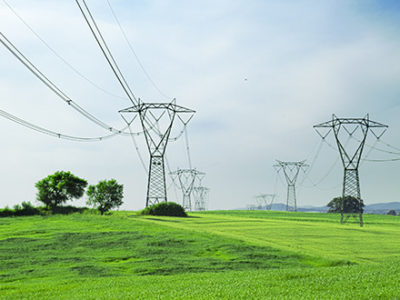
60,187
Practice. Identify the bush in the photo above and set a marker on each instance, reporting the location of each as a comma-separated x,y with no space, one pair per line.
165,209
6,212
66,210
25,209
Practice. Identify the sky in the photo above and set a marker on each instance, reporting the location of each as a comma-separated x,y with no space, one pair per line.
259,75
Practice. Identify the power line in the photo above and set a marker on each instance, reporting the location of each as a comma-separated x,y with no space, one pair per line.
53,133
105,49
134,53
313,161
382,160
35,71
187,147
59,56
377,149
134,142
388,145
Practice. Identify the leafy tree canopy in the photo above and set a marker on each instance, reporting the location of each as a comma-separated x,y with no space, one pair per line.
350,205
105,195
60,187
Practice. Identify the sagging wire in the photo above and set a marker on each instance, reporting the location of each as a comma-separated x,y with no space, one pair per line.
313,161
187,148
316,184
59,56
172,178
87,15
53,133
134,142
135,54
45,80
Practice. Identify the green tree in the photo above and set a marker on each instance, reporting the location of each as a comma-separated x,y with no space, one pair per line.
105,195
60,187
350,205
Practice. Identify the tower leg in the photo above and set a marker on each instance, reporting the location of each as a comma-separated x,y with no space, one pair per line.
186,203
156,187
351,187
291,198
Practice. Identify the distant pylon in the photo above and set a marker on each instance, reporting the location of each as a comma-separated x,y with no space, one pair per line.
291,171
157,120
200,196
351,157
265,201
187,179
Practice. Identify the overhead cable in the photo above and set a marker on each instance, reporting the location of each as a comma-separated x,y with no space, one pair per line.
134,53
59,56
44,79
53,133
105,49
128,123
313,161
378,149
187,147
388,145
382,160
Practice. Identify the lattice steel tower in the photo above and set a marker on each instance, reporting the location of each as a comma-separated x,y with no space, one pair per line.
187,178
291,171
157,120
200,196
350,127
265,201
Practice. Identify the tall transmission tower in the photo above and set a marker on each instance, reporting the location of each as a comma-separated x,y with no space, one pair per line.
357,129
291,171
157,120
187,178
265,201
200,196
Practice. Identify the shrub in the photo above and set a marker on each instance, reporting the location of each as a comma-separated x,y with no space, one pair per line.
6,212
165,209
66,210
25,209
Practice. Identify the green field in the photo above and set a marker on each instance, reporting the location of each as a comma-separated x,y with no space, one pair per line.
210,255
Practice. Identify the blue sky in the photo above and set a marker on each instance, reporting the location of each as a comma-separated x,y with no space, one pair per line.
303,61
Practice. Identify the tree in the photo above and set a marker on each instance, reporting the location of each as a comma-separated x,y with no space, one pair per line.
350,205
105,195
60,187
391,212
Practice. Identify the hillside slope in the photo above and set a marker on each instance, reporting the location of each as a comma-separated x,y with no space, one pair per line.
211,255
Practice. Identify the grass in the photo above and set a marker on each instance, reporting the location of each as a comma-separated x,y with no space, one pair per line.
225,254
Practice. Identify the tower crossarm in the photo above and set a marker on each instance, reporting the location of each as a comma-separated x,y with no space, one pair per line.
291,169
141,106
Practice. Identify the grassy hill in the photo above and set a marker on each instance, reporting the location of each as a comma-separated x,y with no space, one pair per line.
222,254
